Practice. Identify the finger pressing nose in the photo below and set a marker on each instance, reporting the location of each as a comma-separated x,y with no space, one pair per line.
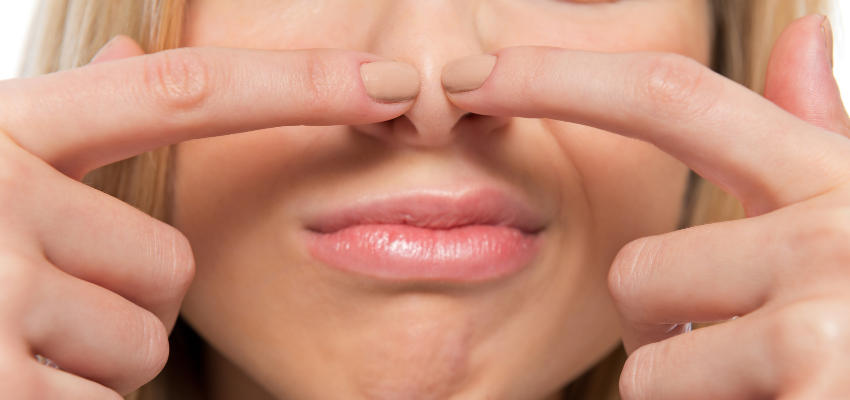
432,121
389,81
467,73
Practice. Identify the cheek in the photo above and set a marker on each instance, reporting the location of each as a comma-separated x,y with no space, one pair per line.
229,188
632,188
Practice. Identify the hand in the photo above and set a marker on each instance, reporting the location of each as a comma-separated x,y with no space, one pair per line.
784,271
86,280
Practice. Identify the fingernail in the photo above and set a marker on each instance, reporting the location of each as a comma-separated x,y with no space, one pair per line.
467,73
826,27
102,49
390,81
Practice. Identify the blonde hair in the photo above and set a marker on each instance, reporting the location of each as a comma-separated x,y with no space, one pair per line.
745,33
67,34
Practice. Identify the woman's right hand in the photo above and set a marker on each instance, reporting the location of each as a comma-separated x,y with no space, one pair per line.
86,280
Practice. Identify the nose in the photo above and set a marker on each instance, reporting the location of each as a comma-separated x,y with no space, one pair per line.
427,34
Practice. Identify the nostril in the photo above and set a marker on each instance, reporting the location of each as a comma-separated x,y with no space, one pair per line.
470,118
378,129
385,129
402,129
471,122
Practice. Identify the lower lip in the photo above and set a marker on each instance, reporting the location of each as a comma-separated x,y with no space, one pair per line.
404,252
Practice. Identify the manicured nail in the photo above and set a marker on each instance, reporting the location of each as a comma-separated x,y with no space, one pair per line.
826,27
390,81
467,73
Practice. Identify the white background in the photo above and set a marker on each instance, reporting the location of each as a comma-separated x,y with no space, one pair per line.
15,16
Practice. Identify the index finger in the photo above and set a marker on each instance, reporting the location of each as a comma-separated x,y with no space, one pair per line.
84,118
730,135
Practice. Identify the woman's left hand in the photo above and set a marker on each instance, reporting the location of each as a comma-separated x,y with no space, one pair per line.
785,270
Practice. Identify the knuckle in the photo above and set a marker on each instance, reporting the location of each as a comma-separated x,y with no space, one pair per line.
19,382
18,276
172,255
631,269
824,239
315,82
547,68
177,80
15,175
183,266
672,86
636,378
152,346
809,336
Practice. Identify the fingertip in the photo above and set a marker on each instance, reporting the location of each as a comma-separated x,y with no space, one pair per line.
498,83
390,81
467,73
799,75
117,48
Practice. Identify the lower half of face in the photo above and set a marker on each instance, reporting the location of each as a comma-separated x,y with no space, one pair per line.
337,263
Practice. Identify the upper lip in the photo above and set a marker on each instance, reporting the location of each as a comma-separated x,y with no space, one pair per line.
433,209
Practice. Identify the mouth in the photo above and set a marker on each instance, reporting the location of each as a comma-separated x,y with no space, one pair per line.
468,236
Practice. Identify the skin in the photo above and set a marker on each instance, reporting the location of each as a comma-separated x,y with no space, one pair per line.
96,286
389,341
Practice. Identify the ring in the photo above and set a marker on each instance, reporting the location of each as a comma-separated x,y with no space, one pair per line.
46,361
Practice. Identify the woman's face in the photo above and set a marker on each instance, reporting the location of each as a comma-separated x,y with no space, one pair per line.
518,305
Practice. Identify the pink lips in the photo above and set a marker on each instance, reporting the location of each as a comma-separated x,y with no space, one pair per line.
432,237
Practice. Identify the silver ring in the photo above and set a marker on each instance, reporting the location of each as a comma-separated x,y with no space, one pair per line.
46,361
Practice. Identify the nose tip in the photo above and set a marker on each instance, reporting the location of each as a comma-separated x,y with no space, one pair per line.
429,122
426,35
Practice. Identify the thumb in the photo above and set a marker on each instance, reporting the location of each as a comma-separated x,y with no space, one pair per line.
119,47
799,75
